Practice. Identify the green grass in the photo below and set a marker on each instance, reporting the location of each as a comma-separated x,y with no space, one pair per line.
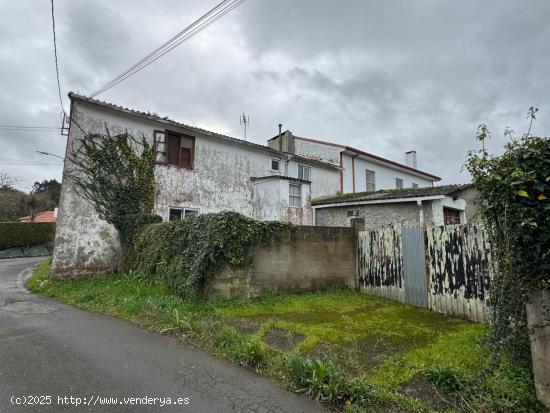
353,351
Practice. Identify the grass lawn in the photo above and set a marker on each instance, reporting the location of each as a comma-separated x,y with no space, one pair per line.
353,351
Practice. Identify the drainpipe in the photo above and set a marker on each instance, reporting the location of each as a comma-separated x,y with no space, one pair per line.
353,170
420,212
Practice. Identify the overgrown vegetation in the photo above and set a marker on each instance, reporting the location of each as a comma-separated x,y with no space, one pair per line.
379,348
14,203
183,253
25,234
515,194
115,173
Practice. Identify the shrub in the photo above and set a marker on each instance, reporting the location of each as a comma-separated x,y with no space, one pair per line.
25,234
184,253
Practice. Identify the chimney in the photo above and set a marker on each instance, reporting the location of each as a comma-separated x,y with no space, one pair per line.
55,210
280,140
410,159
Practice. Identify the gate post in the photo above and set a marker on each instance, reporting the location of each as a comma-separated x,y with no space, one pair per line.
357,224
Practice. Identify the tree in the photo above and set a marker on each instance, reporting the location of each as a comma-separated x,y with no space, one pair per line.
10,198
515,193
116,175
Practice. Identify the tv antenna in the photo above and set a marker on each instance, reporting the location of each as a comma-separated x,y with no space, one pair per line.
244,120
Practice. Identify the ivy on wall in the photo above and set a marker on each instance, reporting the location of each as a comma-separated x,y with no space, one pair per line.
115,173
184,253
515,195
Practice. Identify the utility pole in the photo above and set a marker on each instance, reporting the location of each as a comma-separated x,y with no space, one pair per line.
244,120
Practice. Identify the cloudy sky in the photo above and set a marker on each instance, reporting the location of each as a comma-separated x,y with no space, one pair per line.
382,76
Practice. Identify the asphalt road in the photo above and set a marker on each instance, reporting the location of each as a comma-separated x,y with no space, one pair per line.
52,349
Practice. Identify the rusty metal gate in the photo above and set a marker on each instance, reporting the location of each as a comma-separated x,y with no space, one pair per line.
414,266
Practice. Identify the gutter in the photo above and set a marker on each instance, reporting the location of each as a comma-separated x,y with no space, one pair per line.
379,201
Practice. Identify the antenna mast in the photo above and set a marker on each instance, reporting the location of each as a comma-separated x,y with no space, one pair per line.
244,120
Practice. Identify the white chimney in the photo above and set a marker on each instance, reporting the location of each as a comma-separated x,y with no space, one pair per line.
55,210
410,159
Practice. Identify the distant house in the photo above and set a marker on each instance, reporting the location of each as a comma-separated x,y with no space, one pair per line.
438,205
46,216
360,171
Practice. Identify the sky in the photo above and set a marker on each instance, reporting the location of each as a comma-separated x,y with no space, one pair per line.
382,76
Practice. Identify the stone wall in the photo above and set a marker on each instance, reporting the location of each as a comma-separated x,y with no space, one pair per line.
302,259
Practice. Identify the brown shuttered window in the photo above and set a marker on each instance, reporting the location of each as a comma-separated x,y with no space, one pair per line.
180,150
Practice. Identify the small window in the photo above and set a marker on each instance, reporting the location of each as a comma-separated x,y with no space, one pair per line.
177,149
415,186
177,214
370,180
295,195
275,162
451,216
398,183
304,172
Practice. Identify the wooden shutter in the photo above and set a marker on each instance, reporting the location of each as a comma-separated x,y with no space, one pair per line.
173,150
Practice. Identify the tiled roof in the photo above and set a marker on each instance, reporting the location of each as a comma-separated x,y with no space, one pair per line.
288,178
165,120
46,216
390,194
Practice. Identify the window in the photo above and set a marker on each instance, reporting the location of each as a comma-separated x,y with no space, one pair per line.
177,214
174,149
451,216
398,183
415,186
370,181
275,164
304,172
295,195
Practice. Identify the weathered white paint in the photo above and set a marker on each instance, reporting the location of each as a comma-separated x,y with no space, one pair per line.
447,202
220,180
271,201
326,153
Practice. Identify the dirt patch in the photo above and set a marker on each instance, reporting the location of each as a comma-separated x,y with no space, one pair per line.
363,355
242,325
282,340
426,392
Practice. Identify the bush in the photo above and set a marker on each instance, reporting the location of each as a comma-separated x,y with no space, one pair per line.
25,234
184,253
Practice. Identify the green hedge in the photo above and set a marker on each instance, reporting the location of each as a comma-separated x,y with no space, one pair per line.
25,234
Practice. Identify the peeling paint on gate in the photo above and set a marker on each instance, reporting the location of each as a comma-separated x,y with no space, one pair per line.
460,267
380,263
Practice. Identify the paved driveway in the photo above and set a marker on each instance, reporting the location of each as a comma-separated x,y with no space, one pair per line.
51,349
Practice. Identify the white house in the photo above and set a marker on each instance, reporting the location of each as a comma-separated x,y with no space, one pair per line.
360,171
197,172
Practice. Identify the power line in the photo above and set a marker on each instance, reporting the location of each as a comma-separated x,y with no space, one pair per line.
197,26
28,128
56,64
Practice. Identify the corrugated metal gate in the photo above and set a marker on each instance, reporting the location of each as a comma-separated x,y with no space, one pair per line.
414,266
444,268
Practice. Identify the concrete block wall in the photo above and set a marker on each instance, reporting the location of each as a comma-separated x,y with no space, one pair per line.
301,259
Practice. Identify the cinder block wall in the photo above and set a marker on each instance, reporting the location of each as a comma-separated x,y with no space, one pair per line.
301,259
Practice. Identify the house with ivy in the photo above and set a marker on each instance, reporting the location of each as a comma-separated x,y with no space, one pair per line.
199,171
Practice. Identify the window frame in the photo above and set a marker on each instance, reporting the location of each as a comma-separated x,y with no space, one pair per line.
278,160
373,183
304,167
293,196
455,213
398,183
164,142
183,211
414,185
